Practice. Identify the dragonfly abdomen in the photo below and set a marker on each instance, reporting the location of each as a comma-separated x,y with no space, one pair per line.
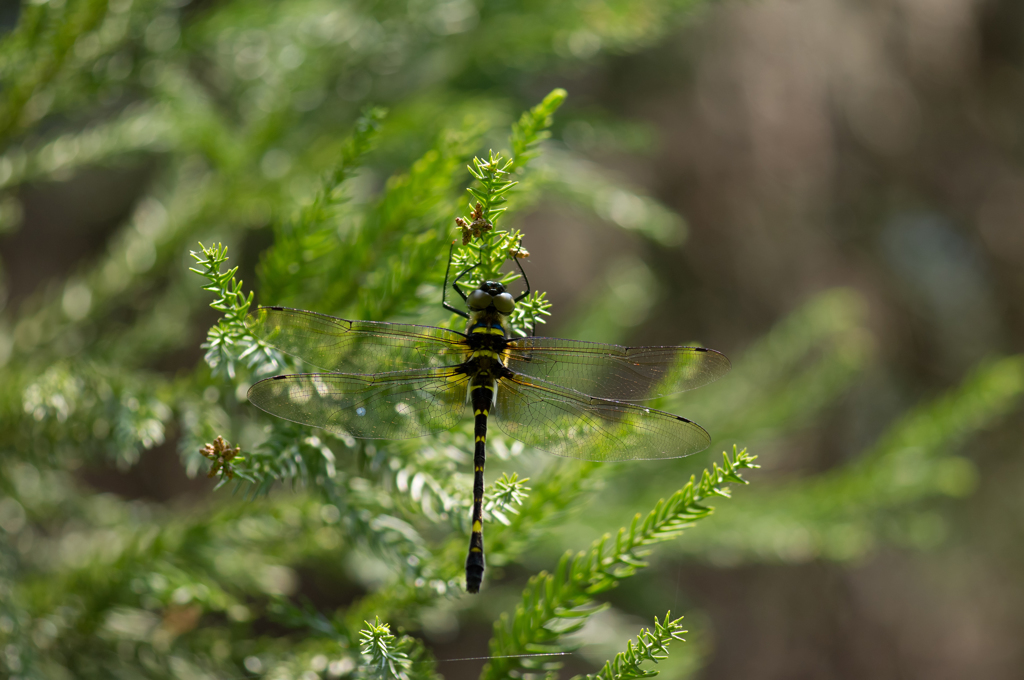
481,395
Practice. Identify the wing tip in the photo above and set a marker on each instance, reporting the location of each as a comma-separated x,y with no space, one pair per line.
706,438
712,351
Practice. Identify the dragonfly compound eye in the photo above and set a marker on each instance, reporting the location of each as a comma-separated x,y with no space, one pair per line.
478,299
504,303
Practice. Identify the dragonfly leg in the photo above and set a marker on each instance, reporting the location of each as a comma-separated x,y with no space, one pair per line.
521,271
455,285
482,397
533,319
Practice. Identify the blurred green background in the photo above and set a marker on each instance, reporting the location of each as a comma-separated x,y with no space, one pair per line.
831,193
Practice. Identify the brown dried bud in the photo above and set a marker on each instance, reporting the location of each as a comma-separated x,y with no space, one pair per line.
221,454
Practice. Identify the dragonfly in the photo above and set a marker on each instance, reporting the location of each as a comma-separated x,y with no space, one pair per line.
572,398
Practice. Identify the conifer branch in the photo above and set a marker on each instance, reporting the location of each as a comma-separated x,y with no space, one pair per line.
137,129
386,657
551,496
229,342
485,245
216,94
116,413
383,657
508,493
49,32
399,239
486,248
650,646
307,242
568,594
532,128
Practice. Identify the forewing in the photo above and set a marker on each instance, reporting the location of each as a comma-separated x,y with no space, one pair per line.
333,344
574,425
395,405
615,372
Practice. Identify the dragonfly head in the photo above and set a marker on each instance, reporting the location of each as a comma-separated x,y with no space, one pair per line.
491,294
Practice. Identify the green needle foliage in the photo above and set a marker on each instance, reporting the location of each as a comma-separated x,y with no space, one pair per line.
36,53
558,603
224,340
494,247
256,129
386,657
650,646
397,533
307,242
489,248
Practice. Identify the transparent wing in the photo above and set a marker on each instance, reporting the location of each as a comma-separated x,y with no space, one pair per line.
614,372
333,344
395,405
574,425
